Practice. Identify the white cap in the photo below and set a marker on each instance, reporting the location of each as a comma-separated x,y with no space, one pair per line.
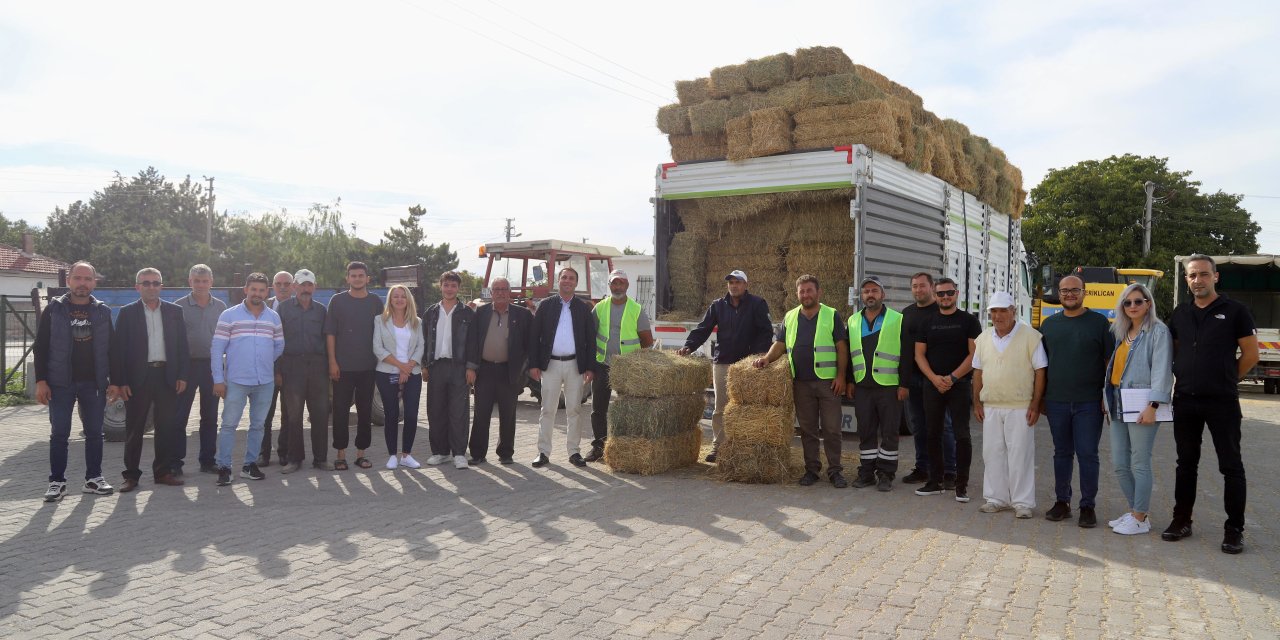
618,274
1000,300
304,275
737,273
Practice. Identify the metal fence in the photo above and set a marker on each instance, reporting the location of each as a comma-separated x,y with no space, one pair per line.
18,319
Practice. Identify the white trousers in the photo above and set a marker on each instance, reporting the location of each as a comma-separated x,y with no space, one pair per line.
561,376
1008,458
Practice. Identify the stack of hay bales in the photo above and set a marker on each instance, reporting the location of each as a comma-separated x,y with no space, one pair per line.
818,98
759,422
654,423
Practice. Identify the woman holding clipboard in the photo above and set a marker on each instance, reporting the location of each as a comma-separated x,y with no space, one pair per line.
1139,383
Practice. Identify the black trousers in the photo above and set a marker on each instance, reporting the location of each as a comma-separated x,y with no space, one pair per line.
493,387
199,378
305,383
601,393
357,385
282,445
154,394
1222,415
448,402
958,402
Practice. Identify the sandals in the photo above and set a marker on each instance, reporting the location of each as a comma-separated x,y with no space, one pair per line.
339,465
363,462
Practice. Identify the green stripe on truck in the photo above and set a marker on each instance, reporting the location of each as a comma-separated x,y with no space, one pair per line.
816,186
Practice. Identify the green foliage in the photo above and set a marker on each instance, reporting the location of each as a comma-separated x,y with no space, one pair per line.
628,251
15,392
1090,214
11,231
406,244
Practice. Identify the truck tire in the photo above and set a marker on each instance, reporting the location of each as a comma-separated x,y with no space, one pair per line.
113,421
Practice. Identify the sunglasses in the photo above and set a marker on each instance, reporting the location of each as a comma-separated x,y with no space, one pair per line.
151,283
1134,303
945,294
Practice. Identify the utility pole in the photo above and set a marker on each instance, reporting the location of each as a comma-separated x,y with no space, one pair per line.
510,229
208,228
1150,188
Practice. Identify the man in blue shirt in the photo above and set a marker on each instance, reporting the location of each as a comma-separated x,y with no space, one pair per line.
250,336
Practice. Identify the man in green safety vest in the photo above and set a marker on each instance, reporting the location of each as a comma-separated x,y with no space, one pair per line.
816,342
621,327
879,387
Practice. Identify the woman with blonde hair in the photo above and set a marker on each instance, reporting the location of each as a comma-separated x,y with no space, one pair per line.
397,343
1143,359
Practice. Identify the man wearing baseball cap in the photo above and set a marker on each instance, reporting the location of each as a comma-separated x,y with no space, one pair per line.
621,327
879,372
304,369
744,328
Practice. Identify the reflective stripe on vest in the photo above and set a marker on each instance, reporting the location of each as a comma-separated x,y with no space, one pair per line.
824,345
630,338
888,353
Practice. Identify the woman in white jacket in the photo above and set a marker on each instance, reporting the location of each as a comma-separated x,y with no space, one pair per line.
397,343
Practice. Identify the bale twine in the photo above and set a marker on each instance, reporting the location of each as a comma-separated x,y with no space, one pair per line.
630,454
729,80
654,418
769,71
697,147
820,61
691,92
651,373
674,119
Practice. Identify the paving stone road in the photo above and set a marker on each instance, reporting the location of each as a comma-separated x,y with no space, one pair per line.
517,552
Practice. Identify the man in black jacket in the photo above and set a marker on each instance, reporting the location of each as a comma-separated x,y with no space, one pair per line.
149,366
500,339
745,328
562,356
450,372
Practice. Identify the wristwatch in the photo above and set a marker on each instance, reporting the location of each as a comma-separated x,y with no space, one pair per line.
954,379
1155,405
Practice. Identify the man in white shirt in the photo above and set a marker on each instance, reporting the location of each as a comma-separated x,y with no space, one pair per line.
450,373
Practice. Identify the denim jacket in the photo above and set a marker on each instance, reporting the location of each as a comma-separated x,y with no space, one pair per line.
1149,365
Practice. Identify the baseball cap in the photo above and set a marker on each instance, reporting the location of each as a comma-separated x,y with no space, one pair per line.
1000,300
304,275
737,273
618,274
872,279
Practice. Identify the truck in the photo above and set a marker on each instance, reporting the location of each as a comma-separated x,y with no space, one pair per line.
1253,280
1102,289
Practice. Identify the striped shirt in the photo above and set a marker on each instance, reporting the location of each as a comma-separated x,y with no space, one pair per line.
251,345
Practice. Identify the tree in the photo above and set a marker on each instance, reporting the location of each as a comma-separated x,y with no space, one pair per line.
1091,214
628,251
11,231
407,244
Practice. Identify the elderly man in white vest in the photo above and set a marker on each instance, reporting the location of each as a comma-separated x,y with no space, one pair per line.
1008,383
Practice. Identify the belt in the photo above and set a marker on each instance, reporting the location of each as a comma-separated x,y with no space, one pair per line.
563,358
156,365
492,363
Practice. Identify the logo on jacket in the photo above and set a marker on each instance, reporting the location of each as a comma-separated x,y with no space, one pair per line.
1220,316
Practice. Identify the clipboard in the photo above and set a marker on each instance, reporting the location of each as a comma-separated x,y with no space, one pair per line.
1134,401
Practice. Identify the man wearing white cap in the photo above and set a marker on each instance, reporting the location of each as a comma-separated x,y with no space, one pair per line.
1009,364
304,369
621,327
743,327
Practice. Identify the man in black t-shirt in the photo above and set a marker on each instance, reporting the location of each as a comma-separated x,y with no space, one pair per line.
913,316
944,355
1207,330
348,329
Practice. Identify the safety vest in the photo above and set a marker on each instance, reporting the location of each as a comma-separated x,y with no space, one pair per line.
630,338
824,346
888,355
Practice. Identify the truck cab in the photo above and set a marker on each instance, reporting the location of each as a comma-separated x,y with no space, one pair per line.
531,266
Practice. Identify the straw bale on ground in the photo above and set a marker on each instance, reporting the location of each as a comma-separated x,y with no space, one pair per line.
674,119
653,418
647,457
739,460
820,61
729,80
709,117
651,373
769,71
691,92
761,424
687,259
770,386
697,147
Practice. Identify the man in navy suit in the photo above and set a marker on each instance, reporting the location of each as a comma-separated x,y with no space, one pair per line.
149,360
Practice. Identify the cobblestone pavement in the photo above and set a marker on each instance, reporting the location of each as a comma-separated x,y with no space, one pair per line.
497,552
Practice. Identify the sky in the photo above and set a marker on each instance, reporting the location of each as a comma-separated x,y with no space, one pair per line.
483,110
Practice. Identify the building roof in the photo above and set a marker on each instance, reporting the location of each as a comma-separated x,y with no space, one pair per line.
14,259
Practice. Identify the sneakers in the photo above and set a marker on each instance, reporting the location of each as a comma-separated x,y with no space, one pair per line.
1022,513
1233,541
98,486
885,483
436,459
1133,526
224,476
1115,523
57,491
808,479
408,461
1058,512
1178,529
916,476
290,467
460,462
863,480
1088,518
994,507
838,481
949,482
251,472
962,494
393,462
929,489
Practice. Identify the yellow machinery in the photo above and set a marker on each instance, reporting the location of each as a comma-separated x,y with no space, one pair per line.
1102,288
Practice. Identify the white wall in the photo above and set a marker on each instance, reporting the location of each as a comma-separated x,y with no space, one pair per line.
21,285
636,268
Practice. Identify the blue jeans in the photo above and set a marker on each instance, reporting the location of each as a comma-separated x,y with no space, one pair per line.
199,378
915,420
1076,428
259,398
93,402
1131,445
391,393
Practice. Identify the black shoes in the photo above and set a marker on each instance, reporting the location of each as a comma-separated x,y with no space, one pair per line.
711,457
1178,529
596,454
541,461
949,482
916,477
1060,511
962,494
208,467
1233,541
577,460
808,479
1088,519
505,460
838,481
929,489
264,460
475,461
224,476
251,472
885,483
863,480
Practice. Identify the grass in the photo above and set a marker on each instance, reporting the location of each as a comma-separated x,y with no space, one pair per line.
15,393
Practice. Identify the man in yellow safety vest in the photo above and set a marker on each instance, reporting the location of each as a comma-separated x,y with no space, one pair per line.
879,388
621,327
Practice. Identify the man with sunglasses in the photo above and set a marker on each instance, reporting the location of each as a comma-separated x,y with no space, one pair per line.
1207,331
1078,342
149,363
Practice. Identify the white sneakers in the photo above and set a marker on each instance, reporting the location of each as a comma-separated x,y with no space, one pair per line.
98,486
408,461
1115,523
437,459
460,462
1133,526
1022,513
57,490
994,507
393,462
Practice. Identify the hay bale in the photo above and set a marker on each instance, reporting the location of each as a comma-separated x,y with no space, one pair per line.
870,122
728,208
844,88
674,119
889,87
688,264
831,262
709,117
770,386
698,147
729,80
691,92
738,133
651,373
647,457
769,71
744,103
761,424
820,61
792,96
654,418
770,132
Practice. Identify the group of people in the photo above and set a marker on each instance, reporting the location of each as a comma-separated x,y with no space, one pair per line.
936,362
932,360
